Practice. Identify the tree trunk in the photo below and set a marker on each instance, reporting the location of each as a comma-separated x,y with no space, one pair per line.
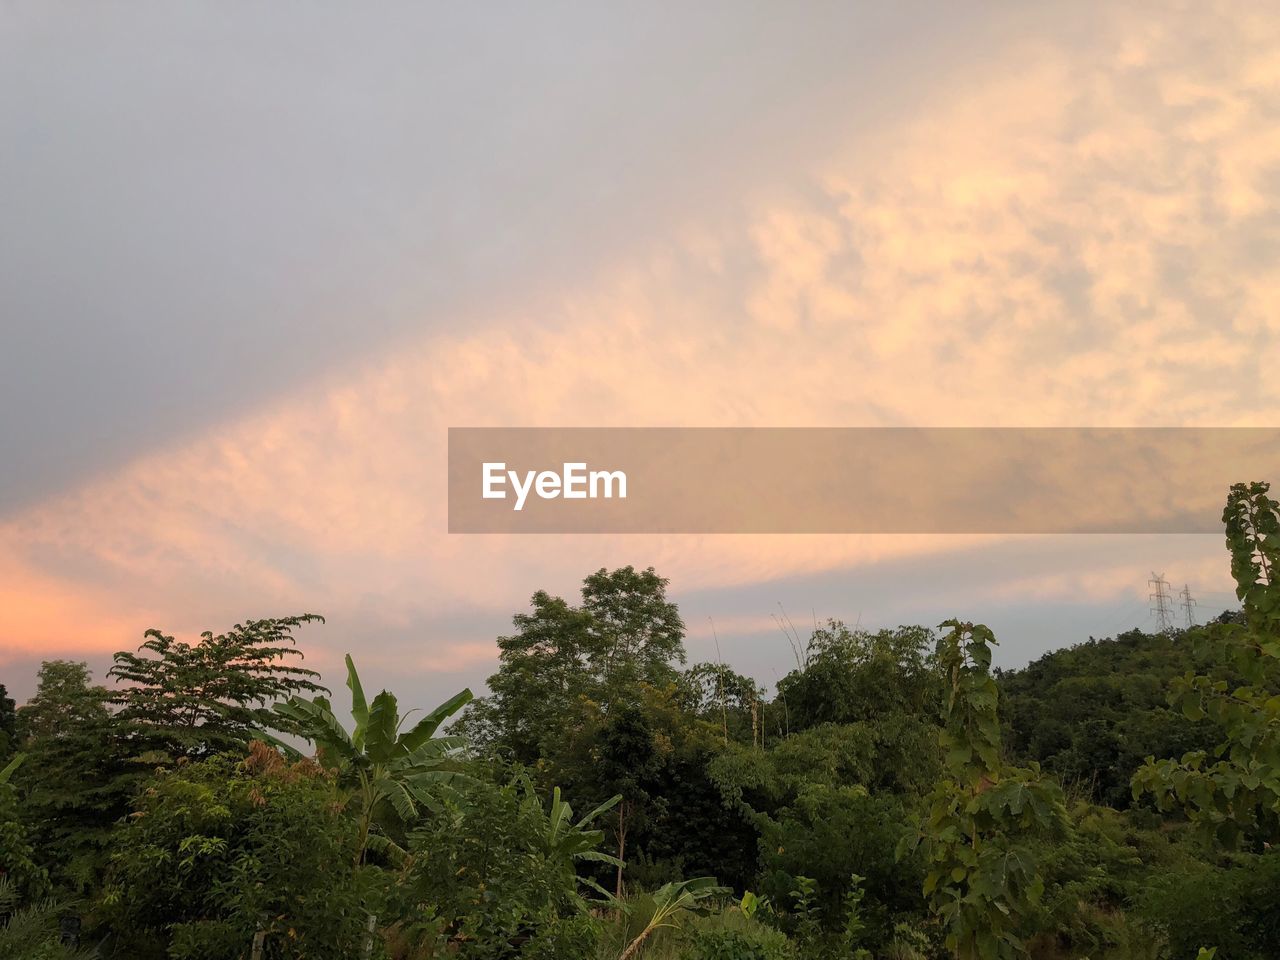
622,845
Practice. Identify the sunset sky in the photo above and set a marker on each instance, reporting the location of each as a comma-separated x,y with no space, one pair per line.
255,261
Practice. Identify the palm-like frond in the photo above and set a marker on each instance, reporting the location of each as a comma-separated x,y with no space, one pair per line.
391,776
425,728
380,733
316,721
11,766
386,847
32,930
359,707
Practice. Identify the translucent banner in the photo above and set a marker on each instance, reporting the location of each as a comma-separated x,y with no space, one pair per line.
851,480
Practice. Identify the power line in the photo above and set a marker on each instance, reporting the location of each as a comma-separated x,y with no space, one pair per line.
1161,605
1128,618
1188,605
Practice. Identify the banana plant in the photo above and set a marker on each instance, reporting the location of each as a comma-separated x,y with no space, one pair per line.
665,905
564,838
389,772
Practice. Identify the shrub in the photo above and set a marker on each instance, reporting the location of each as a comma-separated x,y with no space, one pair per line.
732,936
726,945
829,835
1233,908
217,850
30,931
494,875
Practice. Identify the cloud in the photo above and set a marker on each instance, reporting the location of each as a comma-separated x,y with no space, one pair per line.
1067,237
206,207
55,615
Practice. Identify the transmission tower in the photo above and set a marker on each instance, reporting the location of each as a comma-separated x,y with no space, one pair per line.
1161,604
1188,605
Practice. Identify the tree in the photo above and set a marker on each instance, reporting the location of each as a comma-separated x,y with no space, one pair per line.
8,723
18,862
388,772
853,675
81,774
545,671
624,634
195,699
1236,796
636,631
65,698
627,758
725,698
982,876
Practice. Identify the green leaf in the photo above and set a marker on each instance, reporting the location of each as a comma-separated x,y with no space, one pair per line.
319,725
380,735
600,810
400,797
359,708
425,728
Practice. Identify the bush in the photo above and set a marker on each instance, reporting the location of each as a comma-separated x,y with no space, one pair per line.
216,850
831,834
1233,908
30,931
731,936
734,945
492,876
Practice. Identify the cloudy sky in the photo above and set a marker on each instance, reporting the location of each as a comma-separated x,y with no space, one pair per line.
255,262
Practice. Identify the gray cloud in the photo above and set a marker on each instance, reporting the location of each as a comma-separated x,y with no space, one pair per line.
204,204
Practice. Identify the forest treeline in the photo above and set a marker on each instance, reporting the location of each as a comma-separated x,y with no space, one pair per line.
893,797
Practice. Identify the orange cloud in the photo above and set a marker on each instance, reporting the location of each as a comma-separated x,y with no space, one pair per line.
1066,239
52,615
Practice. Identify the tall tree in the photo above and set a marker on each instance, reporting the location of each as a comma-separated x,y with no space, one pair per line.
983,878
545,669
636,631
854,675
192,699
65,698
79,776
625,633
8,723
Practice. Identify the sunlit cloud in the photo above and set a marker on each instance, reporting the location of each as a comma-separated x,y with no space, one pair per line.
1070,238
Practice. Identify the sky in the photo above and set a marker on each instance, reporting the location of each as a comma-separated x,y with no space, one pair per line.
256,261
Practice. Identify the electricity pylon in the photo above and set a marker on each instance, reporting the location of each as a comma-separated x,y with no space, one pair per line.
1188,605
1161,605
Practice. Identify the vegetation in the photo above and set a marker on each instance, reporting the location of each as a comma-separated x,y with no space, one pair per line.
388,774
895,798
983,877
1237,796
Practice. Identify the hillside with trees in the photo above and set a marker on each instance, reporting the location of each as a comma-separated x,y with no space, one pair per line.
893,797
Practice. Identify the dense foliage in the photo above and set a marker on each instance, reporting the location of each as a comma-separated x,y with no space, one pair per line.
895,797
1092,713
218,849
1235,791
184,699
